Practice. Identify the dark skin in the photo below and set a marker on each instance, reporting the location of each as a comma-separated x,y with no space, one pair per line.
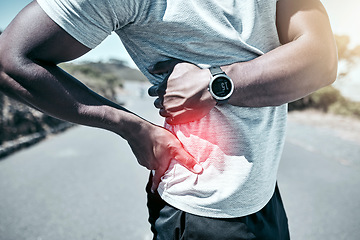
30,49
32,46
305,62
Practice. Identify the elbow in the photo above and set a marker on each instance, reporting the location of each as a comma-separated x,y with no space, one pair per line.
2,68
331,68
329,63
5,62
12,67
13,75
334,69
5,69
2,54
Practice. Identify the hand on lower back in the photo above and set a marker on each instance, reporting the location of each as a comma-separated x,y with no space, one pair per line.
154,148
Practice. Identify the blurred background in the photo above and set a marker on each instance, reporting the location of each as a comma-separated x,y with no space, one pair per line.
85,184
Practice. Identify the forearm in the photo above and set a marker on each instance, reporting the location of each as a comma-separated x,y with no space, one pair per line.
51,90
285,74
305,62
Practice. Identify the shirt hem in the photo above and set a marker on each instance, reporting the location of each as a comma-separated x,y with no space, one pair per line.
211,212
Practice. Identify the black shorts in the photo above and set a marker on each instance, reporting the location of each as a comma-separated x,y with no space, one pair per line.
169,223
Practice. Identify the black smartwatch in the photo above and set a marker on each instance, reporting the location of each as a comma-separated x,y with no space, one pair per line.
221,86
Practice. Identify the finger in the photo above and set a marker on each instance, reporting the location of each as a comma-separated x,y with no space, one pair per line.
177,116
153,91
170,120
188,161
163,66
158,103
164,113
157,174
161,90
173,120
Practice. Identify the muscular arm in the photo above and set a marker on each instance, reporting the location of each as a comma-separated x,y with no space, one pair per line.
305,62
30,49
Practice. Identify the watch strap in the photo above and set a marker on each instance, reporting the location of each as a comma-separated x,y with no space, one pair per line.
216,71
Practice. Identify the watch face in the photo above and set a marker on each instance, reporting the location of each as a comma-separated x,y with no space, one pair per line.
221,87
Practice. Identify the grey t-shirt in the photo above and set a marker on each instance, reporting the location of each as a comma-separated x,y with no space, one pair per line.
238,147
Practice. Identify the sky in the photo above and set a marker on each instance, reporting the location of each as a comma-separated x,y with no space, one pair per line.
344,19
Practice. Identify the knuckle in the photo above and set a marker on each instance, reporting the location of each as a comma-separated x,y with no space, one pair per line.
158,103
173,150
153,91
164,113
152,165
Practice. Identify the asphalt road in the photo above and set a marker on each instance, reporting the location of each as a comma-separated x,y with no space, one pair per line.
319,178
85,184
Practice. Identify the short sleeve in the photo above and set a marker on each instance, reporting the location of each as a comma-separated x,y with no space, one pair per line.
88,21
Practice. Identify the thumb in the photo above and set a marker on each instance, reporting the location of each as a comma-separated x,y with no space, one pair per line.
185,159
157,174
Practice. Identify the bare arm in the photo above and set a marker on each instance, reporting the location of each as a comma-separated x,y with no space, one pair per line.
305,62
30,49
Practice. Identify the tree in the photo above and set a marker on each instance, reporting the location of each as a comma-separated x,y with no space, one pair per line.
346,54
329,99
